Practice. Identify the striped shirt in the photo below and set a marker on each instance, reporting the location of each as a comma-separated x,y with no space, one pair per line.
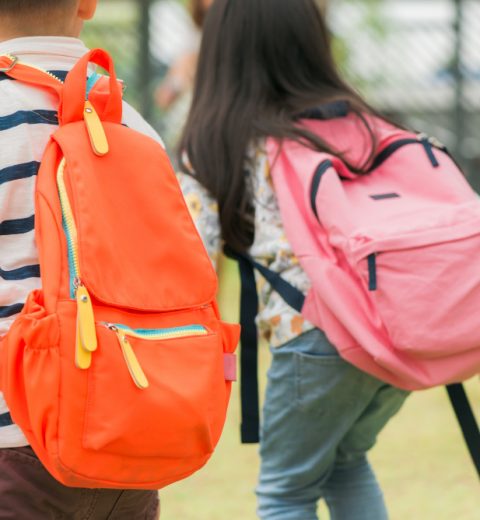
28,116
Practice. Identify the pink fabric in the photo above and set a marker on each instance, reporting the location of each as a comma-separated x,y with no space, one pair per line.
230,367
420,328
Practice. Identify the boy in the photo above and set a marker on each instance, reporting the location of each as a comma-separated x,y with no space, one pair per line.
42,33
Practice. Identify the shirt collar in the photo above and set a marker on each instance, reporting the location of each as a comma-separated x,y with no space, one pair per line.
51,52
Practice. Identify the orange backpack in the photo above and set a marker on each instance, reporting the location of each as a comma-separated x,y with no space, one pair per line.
119,370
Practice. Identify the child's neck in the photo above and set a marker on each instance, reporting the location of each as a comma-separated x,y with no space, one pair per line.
5,36
9,30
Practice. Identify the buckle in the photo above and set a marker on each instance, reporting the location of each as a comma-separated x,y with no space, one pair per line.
10,67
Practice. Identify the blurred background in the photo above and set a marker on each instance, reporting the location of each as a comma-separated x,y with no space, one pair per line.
416,60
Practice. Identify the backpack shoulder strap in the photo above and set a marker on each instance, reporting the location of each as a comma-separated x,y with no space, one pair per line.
12,67
288,292
466,419
249,335
327,111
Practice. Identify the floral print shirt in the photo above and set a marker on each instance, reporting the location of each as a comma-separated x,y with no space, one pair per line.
277,321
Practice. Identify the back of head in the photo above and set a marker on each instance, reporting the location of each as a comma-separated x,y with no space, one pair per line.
37,17
261,64
276,50
21,7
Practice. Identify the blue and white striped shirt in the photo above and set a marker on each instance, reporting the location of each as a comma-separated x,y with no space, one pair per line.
27,119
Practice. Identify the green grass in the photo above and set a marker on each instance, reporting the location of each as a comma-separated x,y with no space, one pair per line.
420,459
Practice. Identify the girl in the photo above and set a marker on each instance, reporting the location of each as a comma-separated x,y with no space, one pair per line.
262,64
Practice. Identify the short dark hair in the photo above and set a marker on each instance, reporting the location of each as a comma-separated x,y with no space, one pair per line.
21,6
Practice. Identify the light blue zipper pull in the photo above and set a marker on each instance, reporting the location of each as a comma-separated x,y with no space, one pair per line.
91,82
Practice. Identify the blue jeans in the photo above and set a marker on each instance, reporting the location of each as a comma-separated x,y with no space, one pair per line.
320,418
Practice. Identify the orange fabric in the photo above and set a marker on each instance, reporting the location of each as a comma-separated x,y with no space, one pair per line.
30,75
126,234
145,267
71,108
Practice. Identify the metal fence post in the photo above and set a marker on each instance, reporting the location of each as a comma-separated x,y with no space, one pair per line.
145,72
458,72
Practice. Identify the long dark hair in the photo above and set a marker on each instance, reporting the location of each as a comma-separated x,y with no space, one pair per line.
261,64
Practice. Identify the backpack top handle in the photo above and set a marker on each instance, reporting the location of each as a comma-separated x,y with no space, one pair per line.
75,90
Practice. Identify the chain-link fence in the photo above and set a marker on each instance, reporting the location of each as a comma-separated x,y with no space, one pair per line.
417,60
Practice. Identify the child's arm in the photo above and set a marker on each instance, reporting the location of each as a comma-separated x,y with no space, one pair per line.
204,211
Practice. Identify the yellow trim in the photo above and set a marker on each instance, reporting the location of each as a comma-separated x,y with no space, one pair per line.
136,371
170,335
86,319
86,341
68,214
83,358
95,129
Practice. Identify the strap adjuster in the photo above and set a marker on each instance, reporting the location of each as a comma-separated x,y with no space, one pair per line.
10,67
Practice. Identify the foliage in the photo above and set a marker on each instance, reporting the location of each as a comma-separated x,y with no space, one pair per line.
367,22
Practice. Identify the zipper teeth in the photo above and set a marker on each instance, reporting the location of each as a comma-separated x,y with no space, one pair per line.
33,67
174,332
49,74
69,225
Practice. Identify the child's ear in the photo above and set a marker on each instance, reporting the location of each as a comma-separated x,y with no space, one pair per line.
86,9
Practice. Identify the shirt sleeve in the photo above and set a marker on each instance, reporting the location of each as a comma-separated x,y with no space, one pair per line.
135,121
204,211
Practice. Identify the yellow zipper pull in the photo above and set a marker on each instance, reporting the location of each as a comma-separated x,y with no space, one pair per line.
95,129
85,318
136,371
83,358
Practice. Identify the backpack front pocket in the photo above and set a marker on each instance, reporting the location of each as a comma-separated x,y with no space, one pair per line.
426,292
152,392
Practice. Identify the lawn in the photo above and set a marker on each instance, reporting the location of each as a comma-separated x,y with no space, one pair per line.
420,458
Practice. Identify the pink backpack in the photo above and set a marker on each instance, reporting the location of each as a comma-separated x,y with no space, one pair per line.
393,256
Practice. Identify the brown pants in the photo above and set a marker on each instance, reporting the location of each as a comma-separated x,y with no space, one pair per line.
29,492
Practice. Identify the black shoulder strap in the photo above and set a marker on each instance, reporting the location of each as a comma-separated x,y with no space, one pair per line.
249,336
466,418
249,352
333,110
